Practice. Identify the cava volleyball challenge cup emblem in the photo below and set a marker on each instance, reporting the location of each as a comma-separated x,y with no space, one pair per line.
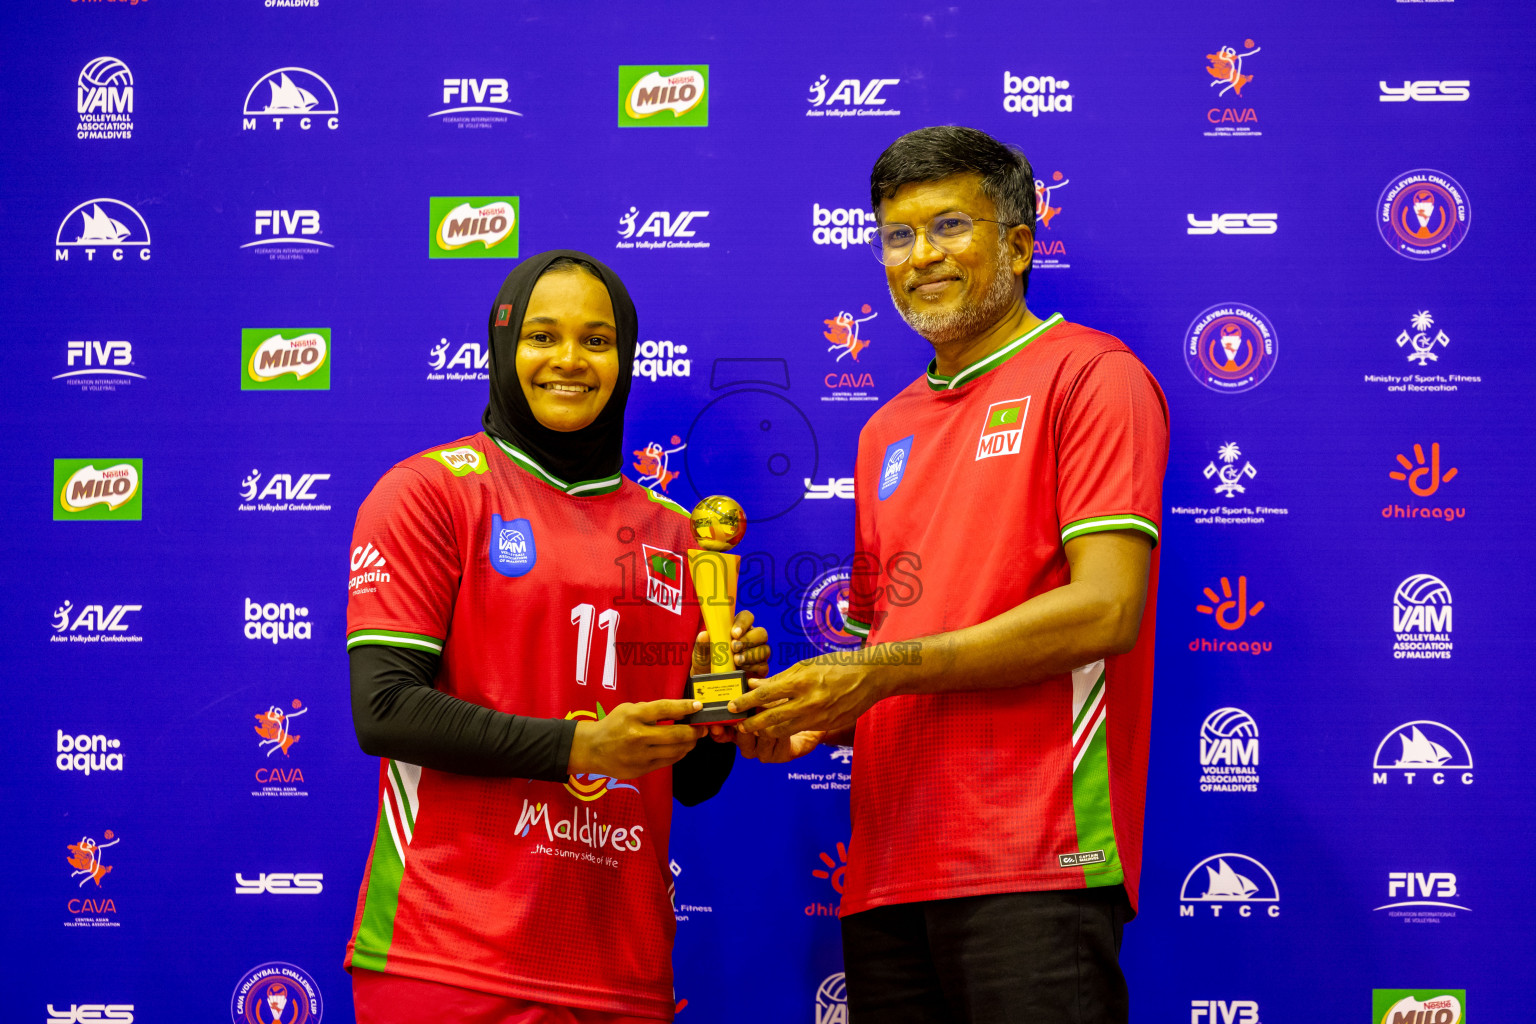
718,526
1423,214
1231,348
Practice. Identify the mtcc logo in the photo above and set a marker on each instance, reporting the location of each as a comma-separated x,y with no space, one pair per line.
1423,214
109,224
1234,224
282,493
1422,345
842,226
104,100
850,98
1230,878
475,102
661,229
832,1000
1229,478
1422,748
1421,618
1036,94
470,361
1229,752
655,359
292,94
87,753
274,622
1223,1011
1427,91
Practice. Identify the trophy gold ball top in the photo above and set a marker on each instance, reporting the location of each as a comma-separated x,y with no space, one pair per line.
718,523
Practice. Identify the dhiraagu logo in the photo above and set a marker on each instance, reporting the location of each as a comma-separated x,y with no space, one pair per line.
656,96
474,227
285,359
98,489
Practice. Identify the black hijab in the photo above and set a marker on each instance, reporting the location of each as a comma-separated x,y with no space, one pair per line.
596,450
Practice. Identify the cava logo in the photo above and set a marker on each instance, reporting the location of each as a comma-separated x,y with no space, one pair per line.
850,98
473,227
98,489
476,103
660,230
281,883
110,225
104,100
295,95
832,1000
274,622
1036,94
842,226
1427,91
652,464
1229,752
670,97
1421,618
1422,748
1231,348
87,753
1422,897
1234,224
94,623
470,361
88,861
663,578
1423,214
462,461
655,359
1418,1006
1002,433
98,365
368,570
1230,879
845,339
276,993
274,727
285,359
1050,253
1223,1011
1230,73
81,1013
275,735
88,858
283,492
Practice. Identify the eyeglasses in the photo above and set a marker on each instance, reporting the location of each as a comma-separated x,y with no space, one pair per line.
948,233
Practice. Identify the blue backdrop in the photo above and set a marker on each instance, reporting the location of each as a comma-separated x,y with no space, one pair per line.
1273,205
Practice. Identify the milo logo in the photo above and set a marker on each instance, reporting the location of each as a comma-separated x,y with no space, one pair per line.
98,488
476,227
463,461
285,359
647,90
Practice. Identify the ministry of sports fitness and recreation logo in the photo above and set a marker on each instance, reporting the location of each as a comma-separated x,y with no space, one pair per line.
843,226
1231,71
1422,897
1423,747
832,999
1232,881
476,103
104,100
846,337
1231,348
285,359
91,489
279,776
1418,1005
655,359
87,860
1421,618
654,96
1423,343
661,229
277,621
824,611
297,97
1036,94
86,753
1229,476
470,361
98,365
652,464
850,97
287,235
1049,253
1423,214
282,492
1229,752
94,623
1230,610
473,227
108,225
276,993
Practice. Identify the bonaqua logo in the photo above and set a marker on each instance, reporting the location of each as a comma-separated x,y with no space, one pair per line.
108,224
850,97
86,753
654,359
275,622
104,100
296,95
843,226
1036,94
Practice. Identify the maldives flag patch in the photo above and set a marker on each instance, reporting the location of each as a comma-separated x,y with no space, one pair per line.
664,578
1003,431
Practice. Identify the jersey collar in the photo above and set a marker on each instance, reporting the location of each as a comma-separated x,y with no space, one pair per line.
581,488
939,382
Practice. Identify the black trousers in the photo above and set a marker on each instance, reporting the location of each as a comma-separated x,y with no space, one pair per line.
1013,958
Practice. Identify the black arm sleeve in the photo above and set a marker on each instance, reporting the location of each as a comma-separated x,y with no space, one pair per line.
399,714
700,774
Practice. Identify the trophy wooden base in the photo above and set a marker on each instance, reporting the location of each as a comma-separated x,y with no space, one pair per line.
716,690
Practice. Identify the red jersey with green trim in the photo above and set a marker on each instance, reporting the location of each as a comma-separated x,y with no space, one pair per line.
967,489
547,599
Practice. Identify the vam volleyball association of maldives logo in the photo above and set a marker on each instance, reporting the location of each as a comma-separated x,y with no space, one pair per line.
1423,214
1231,348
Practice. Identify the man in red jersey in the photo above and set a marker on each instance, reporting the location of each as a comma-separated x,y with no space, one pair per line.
1005,571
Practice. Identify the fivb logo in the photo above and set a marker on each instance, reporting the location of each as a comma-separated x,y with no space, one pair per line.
1234,224
104,100
1223,1011
663,578
1036,94
294,94
93,623
660,230
87,753
102,223
1421,618
850,98
281,883
282,487
1002,433
274,622
473,227
1425,748
83,1013
1229,752
470,361
1230,878
474,98
294,230
655,359
91,489
285,359
102,361
842,226
1432,889
1428,91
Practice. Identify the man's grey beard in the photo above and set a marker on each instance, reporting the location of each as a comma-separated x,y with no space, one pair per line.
942,328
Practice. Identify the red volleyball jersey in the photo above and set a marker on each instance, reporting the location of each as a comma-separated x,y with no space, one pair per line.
968,488
547,599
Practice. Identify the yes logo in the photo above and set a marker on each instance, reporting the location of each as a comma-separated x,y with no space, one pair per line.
1430,91
647,91
1234,224
512,550
1230,610
1423,477
281,883
285,359
1003,431
98,489
473,227
663,578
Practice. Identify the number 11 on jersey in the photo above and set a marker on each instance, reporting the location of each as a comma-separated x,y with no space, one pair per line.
581,617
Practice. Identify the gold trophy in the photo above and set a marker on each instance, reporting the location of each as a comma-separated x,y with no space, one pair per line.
718,525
